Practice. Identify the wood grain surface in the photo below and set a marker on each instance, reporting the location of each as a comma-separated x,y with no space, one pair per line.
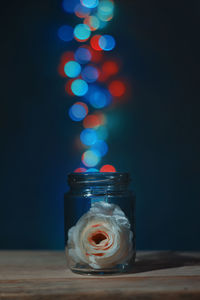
42,275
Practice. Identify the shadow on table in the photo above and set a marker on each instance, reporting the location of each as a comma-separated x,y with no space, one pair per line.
163,260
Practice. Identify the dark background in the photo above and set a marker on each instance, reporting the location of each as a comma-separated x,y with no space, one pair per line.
155,135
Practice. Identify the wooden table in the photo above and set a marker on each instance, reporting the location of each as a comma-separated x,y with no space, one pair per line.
43,275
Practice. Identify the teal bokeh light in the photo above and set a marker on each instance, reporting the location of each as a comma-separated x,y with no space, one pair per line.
82,32
72,69
79,87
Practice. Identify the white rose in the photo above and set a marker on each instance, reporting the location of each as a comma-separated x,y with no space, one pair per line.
102,237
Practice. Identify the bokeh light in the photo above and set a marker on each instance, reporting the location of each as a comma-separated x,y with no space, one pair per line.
90,158
105,10
92,170
107,168
106,42
90,74
90,3
67,56
94,42
72,69
101,147
69,5
82,32
78,111
88,137
98,97
68,87
81,11
80,170
102,133
92,22
110,67
117,88
65,33
93,121
83,55
79,87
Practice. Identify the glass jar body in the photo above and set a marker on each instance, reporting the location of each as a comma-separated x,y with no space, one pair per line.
99,226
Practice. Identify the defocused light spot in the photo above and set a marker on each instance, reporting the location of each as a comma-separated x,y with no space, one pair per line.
90,74
83,55
80,170
110,68
98,97
94,42
92,121
92,22
106,42
90,3
69,5
72,69
102,133
105,10
107,168
117,88
92,170
67,56
96,55
101,147
68,87
78,111
88,137
79,87
82,32
90,158
81,11
65,33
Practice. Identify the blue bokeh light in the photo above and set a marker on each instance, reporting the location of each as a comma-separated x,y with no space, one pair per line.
79,87
77,112
90,74
90,3
82,32
91,170
72,69
69,5
65,33
83,55
91,158
88,137
106,42
100,146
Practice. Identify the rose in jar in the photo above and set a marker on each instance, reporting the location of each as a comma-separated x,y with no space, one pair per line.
102,237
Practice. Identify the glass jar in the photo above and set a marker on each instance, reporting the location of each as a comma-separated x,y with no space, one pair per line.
99,223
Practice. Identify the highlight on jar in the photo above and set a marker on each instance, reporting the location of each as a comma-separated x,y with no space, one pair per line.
99,223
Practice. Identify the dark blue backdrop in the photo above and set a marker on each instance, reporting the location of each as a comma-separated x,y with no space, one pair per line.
155,136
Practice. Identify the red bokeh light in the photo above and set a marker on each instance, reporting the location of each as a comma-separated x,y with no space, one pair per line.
80,170
92,121
94,42
68,87
117,88
110,67
66,56
107,168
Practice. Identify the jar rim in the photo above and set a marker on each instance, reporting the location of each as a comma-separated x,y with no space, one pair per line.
98,178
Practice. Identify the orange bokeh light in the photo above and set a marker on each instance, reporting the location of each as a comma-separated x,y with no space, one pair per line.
117,88
94,42
107,168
